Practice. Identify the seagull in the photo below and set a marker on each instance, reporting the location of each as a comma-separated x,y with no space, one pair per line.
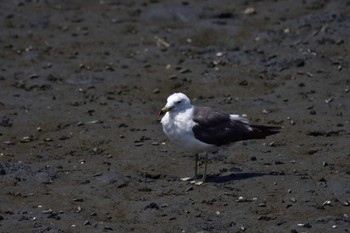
203,129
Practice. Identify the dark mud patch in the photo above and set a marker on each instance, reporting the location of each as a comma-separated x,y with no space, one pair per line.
82,149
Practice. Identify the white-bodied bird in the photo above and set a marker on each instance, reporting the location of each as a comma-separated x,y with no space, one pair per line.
201,129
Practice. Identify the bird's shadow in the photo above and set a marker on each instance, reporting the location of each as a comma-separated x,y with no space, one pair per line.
235,176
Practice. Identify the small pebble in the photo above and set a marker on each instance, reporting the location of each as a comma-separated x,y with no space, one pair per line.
9,142
262,204
33,76
173,77
249,11
87,222
80,123
265,111
78,209
97,174
161,43
78,199
309,74
327,101
137,144
26,139
93,122
306,225
326,203
185,70
49,211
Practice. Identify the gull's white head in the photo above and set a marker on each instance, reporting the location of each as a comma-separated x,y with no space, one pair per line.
175,103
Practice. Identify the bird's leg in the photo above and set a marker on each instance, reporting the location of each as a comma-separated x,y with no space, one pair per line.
195,170
196,166
205,171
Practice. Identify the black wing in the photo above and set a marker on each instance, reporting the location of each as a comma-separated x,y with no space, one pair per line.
218,128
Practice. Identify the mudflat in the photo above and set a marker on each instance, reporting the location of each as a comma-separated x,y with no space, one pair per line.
82,149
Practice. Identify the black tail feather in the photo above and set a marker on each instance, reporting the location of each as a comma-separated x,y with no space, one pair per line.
262,131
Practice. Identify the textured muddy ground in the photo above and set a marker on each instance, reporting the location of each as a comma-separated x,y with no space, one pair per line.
82,149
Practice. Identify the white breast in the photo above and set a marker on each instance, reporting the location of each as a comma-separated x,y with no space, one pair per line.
178,128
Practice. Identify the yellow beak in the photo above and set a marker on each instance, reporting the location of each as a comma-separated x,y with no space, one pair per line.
163,111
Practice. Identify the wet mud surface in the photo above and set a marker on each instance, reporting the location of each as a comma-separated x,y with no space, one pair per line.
83,151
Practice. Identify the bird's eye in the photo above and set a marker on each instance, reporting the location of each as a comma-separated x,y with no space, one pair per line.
179,101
